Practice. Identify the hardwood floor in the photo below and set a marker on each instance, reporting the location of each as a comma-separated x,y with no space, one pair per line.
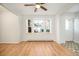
48,48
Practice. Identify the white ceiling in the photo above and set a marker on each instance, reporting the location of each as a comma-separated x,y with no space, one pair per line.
53,8
74,9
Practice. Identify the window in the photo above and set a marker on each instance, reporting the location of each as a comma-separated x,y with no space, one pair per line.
66,24
39,26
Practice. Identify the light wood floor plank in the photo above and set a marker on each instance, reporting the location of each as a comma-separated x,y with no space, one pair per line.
47,48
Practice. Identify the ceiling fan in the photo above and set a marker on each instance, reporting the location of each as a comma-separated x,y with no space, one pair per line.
37,6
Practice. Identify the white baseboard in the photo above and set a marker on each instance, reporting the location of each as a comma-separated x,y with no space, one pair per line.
38,40
11,42
25,40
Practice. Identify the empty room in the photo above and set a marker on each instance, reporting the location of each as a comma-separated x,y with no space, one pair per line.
39,29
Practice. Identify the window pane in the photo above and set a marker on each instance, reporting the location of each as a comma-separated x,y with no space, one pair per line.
38,25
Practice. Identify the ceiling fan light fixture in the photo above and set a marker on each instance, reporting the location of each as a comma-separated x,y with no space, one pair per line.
37,6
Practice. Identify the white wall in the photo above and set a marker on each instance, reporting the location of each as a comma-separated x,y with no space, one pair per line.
76,28
37,36
66,34
57,27
9,26
72,33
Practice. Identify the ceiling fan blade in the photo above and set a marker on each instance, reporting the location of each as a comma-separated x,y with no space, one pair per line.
29,4
39,3
35,10
43,8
